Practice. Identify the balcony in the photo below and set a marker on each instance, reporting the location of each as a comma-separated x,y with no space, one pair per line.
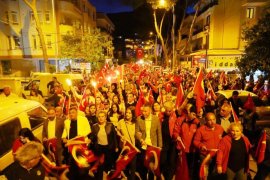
70,9
205,8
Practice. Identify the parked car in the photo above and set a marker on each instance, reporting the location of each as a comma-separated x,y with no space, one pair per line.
17,113
262,109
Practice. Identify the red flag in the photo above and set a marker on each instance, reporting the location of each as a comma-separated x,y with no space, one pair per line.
151,97
139,53
182,167
142,75
260,151
51,168
199,91
128,152
139,104
84,101
234,115
152,159
249,104
179,96
51,145
205,165
168,87
209,74
222,78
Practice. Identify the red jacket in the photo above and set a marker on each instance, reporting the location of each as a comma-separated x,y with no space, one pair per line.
186,131
223,153
208,137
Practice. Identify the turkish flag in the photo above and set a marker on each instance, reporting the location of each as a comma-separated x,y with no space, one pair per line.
152,159
139,104
260,151
209,74
249,104
205,165
51,169
127,154
51,145
139,53
179,96
182,167
235,117
151,97
199,91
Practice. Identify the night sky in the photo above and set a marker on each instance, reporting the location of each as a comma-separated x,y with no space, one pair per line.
110,6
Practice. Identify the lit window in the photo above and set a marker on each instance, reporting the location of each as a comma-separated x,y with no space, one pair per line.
47,17
14,17
49,41
208,20
250,13
17,42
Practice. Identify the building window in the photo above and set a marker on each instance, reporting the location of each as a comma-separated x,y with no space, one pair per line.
6,66
32,17
14,17
17,42
9,43
49,41
250,13
208,20
34,41
47,17
6,17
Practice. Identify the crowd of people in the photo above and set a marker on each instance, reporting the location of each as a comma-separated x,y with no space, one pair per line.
147,109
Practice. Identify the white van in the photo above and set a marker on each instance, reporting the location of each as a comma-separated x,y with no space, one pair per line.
17,113
42,79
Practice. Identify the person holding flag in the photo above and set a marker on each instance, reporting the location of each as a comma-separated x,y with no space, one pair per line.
148,132
74,126
103,141
206,140
168,152
126,128
233,153
183,133
52,131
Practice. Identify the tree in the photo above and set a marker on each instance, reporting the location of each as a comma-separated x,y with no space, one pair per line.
92,46
257,50
33,6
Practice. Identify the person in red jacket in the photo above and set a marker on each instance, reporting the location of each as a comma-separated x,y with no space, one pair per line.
183,133
233,154
206,140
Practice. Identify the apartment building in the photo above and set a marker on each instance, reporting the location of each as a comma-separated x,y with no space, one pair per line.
20,49
107,27
217,35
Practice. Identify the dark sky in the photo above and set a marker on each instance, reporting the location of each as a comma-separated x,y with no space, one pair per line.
110,6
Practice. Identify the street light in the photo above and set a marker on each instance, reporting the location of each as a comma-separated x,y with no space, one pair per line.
167,5
207,28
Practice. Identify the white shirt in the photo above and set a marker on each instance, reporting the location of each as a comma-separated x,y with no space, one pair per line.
102,136
51,129
148,122
225,123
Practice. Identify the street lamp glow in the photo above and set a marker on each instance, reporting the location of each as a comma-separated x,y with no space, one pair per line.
109,78
94,83
117,72
69,83
162,3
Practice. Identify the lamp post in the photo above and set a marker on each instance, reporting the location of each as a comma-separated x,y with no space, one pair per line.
207,28
167,5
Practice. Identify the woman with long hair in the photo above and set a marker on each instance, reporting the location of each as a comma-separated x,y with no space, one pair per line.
114,114
25,136
126,128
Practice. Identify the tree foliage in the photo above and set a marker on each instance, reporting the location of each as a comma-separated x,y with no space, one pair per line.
91,46
257,51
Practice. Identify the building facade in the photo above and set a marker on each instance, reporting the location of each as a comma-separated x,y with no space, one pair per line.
20,47
216,41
